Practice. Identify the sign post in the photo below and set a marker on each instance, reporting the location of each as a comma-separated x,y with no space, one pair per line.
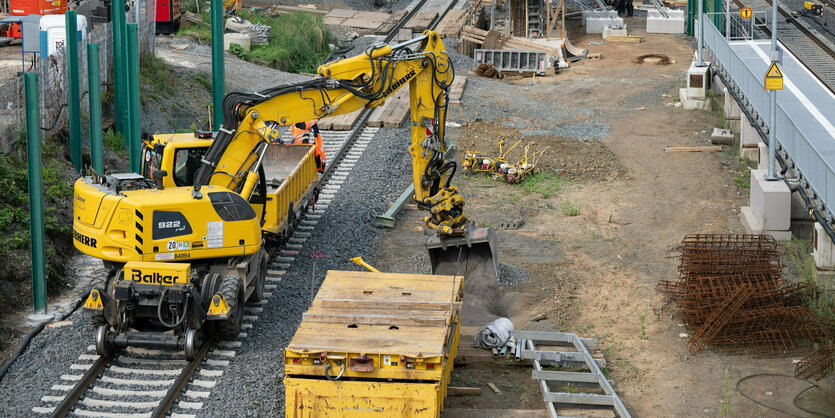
773,82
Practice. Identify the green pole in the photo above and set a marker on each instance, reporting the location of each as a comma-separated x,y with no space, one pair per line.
217,64
133,89
33,154
93,95
73,93
117,19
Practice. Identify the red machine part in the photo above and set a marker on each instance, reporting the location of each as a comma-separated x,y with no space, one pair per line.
37,7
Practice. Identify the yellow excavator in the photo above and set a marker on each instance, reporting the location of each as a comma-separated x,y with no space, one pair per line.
186,244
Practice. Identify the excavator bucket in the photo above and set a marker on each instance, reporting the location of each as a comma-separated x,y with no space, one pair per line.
473,254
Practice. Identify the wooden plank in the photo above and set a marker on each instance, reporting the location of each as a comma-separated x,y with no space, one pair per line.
450,25
420,21
333,21
624,38
457,89
389,24
388,304
392,113
281,9
462,391
343,13
493,388
340,122
355,22
693,149
371,319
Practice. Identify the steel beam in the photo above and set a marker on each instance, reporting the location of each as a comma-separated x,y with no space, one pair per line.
33,158
387,219
217,64
94,103
73,88
133,95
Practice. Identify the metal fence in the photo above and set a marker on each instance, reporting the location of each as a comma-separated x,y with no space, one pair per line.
814,169
735,28
53,80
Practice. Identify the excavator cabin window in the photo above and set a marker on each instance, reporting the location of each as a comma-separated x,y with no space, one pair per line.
186,163
151,160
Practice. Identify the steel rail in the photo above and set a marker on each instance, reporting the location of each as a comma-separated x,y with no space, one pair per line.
183,380
80,388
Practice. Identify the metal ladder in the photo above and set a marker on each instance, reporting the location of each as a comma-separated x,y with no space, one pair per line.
526,349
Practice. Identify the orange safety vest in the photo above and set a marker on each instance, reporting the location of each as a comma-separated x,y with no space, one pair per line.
302,136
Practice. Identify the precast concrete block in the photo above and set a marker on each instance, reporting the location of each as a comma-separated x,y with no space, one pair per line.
770,202
733,125
752,225
236,38
690,103
597,24
609,31
748,135
611,14
673,23
732,110
823,251
762,156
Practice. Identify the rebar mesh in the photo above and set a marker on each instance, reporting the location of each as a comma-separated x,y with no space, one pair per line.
730,290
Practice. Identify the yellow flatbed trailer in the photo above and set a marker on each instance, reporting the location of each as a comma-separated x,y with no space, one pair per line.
374,344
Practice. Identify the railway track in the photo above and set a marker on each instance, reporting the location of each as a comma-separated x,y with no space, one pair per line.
136,382
804,41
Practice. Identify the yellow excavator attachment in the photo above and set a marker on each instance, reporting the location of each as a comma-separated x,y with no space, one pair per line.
218,309
93,301
475,253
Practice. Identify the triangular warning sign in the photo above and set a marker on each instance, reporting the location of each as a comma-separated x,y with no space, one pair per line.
774,71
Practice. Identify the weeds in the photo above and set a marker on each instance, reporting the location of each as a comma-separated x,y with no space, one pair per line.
642,316
156,75
115,142
725,409
543,184
203,80
570,208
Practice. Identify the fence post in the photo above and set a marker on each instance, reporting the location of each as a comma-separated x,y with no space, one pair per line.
133,89
94,103
117,19
73,93
36,228
217,64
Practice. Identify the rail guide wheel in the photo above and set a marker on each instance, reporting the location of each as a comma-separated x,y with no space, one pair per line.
192,344
103,347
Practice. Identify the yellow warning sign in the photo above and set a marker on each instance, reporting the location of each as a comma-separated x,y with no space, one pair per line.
746,12
774,78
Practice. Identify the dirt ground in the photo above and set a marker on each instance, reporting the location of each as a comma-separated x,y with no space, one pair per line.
595,273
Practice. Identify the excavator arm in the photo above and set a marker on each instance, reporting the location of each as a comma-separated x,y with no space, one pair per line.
344,86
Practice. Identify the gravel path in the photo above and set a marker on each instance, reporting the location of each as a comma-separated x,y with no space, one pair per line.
252,384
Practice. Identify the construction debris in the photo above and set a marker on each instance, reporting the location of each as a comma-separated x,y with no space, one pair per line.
494,335
657,59
488,71
730,291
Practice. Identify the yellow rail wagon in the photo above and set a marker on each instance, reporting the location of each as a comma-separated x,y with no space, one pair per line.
374,344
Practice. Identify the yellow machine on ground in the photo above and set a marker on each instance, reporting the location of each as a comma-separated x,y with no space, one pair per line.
185,244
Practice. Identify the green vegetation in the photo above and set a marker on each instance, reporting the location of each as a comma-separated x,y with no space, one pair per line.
154,73
804,268
115,142
203,80
298,41
543,184
725,409
570,208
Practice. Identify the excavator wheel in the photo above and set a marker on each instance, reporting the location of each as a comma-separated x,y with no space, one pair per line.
233,292
102,283
208,288
261,278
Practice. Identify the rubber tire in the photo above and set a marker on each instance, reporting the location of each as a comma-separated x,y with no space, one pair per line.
232,291
208,287
261,279
102,283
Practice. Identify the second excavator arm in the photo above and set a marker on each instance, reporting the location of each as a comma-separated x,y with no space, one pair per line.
344,86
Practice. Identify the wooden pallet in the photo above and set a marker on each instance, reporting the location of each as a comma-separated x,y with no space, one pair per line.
457,89
451,24
503,41
341,122
420,21
393,112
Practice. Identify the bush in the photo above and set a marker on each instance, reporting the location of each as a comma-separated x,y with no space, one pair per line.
570,208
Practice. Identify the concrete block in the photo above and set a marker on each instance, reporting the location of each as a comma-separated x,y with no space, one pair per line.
733,125
613,14
722,136
607,31
762,156
752,225
732,110
823,251
691,103
770,202
597,24
236,38
673,23
748,135
698,80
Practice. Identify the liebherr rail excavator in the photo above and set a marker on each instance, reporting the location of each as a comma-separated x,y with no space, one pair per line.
186,243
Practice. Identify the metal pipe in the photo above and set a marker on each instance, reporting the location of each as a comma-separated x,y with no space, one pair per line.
94,103
117,18
217,64
73,88
772,113
36,227
133,94
360,262
700,36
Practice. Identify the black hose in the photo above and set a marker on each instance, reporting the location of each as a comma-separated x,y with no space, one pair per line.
794,401
35,331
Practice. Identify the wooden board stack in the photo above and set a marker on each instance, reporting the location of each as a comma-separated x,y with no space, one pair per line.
341,122
509,43
451,24
457,89
420,21
392,113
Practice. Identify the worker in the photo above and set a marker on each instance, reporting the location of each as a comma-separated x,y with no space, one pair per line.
301,133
